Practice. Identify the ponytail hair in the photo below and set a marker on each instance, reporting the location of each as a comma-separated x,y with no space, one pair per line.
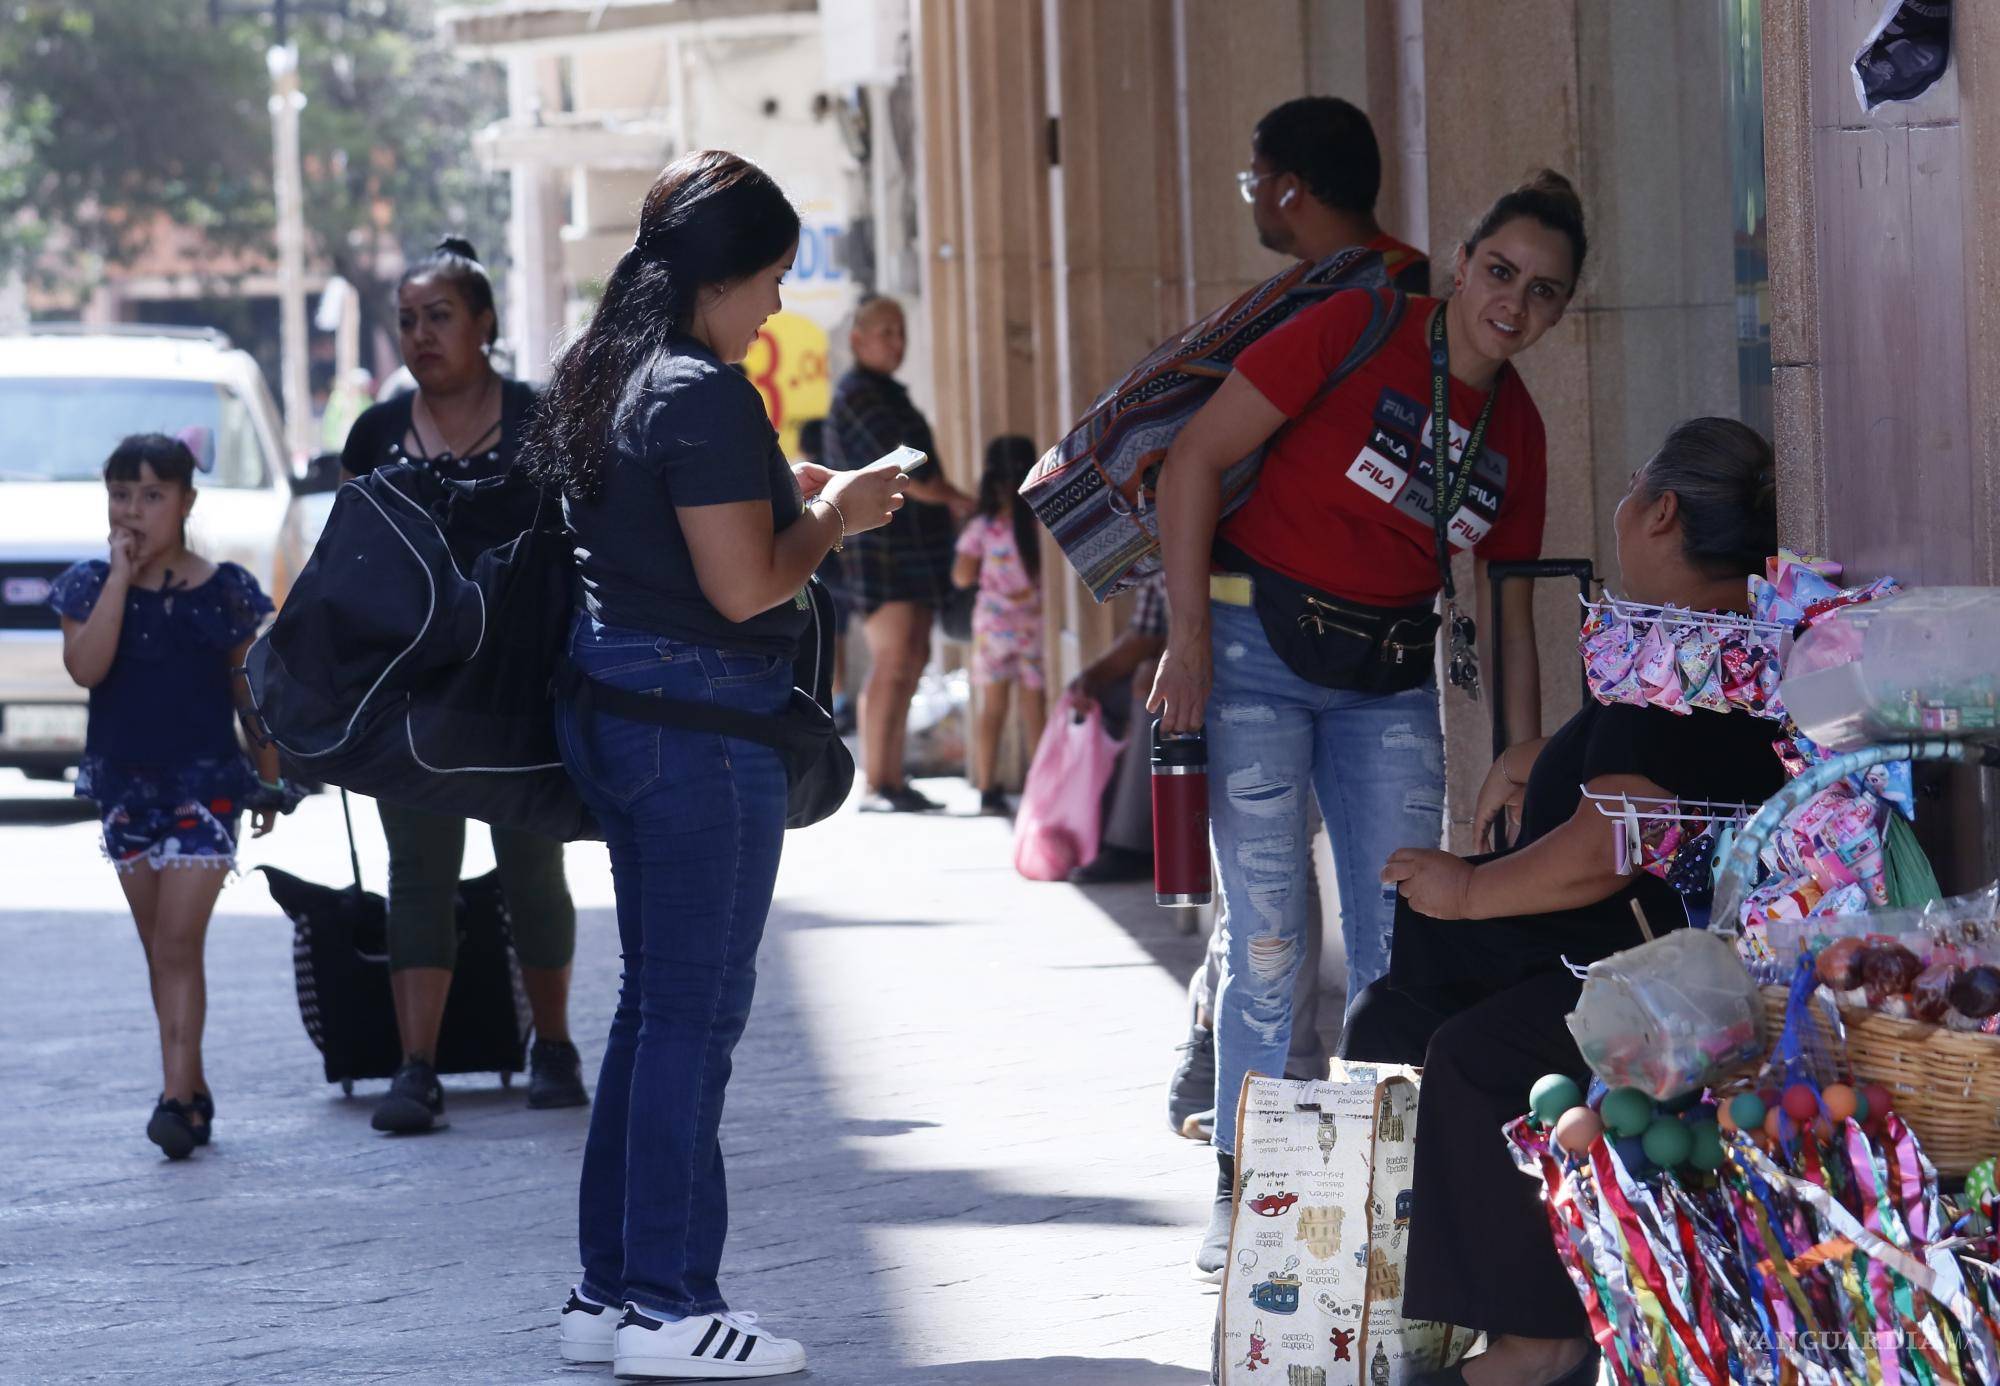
453,261
711,218
1548,198
1724,479
1008,460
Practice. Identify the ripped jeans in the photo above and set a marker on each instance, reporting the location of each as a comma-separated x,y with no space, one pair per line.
1374,761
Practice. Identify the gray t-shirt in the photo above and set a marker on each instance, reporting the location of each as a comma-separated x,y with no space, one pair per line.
689,431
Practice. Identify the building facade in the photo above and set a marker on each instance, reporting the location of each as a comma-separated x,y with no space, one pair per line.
1760,246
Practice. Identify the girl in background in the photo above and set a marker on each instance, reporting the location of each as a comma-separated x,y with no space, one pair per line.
157,633
1000,551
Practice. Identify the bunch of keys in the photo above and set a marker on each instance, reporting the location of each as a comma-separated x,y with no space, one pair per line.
1462,662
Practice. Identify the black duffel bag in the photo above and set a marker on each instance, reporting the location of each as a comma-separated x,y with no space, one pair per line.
411,665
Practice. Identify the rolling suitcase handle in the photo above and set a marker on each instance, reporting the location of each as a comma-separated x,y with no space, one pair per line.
1497,576
353,852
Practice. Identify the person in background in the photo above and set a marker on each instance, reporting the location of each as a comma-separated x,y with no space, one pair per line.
1118,681
346,402
897,576
1341,521
694,539
158,634
1000,552
1315,173
812,450
464,421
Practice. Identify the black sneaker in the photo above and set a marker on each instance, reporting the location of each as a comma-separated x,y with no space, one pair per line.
170,1129
555,1075
1214,1253
1112,865
414,1103
992,804
1192,1088
901,799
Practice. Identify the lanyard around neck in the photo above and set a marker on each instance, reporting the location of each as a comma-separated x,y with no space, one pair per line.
1450,483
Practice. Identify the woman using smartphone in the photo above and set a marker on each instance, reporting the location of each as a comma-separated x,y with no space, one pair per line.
694,542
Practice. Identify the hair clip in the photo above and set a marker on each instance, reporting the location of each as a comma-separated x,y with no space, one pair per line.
201,442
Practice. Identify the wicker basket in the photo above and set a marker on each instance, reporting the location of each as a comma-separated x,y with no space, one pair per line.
1946,1083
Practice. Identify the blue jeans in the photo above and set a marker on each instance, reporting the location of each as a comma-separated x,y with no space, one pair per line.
694,823
1376,764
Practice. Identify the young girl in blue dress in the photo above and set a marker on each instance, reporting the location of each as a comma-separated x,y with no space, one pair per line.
156,634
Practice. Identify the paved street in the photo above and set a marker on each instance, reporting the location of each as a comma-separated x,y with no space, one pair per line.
948,1161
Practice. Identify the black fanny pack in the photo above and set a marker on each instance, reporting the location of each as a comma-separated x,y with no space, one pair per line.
1337,643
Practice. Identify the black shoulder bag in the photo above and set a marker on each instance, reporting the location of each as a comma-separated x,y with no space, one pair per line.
818,765
1337,643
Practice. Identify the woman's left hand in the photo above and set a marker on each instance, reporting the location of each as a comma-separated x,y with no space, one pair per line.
812,478
262,821
1435,883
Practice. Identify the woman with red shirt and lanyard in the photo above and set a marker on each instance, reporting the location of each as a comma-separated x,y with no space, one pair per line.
1301,628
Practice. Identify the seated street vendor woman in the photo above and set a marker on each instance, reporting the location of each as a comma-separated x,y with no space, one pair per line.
1477,988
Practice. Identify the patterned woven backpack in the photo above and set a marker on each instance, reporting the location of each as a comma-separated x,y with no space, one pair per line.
1095,489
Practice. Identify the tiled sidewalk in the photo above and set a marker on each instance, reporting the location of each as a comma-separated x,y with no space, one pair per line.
947,1152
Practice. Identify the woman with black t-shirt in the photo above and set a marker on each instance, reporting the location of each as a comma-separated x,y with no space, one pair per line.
694,544
465,422
1477,987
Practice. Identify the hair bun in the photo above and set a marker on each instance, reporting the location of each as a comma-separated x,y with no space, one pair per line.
458,245
1546,182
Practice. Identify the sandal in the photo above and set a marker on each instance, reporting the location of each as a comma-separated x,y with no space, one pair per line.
203,1105
171,1130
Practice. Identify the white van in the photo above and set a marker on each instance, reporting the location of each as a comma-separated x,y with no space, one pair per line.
67,395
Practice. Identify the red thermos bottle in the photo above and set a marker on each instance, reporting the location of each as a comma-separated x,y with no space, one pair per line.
1180,818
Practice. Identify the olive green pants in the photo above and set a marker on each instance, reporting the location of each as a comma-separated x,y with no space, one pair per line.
426,851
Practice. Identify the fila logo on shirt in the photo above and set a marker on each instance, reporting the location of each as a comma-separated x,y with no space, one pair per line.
1395,467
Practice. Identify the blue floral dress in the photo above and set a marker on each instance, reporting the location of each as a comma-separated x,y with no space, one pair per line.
161,756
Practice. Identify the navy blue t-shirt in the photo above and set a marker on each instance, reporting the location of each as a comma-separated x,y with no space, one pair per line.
166,702
689,431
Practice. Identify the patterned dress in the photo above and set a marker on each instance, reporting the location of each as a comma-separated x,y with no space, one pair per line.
1007,617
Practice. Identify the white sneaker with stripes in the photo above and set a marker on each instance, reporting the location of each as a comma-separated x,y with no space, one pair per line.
705,1347
588,1329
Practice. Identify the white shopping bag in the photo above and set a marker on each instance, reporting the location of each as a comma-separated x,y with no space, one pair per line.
1312,1294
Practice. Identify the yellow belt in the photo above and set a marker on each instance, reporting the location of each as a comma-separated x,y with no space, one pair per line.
1231,589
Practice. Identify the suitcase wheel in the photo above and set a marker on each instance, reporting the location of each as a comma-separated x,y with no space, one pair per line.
506,1079
347,1087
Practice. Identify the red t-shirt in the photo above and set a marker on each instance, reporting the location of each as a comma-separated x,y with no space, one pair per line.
1344,500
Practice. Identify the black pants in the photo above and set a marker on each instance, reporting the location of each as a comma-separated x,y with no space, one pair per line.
1481,1255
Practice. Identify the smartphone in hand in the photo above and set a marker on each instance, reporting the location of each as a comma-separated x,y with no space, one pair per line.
905,458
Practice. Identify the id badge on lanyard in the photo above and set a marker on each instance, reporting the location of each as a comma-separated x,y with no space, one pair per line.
1451,483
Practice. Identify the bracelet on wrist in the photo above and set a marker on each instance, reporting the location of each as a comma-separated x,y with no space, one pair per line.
839,516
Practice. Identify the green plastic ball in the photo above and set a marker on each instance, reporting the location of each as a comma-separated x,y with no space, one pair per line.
1705,1148
1747,1110
1668,1143
1860,1105
1627,1111
1553,1095
1979,1185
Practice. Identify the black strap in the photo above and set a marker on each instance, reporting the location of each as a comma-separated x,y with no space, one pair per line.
1450,483
594,695
353,853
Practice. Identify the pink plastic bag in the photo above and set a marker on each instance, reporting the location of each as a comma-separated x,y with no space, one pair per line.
1060,818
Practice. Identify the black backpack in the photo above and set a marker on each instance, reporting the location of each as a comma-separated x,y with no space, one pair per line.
411,665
